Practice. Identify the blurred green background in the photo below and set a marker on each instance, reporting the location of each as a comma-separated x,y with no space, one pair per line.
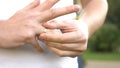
104,45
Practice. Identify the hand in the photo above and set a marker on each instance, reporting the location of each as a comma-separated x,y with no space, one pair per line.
71,42
25,24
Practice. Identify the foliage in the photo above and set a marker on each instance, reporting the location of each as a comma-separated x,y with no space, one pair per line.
101,56
107,39
114,13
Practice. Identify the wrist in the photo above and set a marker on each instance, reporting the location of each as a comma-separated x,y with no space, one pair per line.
83,27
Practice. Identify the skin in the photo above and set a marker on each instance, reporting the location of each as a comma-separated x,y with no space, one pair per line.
25,25
75,34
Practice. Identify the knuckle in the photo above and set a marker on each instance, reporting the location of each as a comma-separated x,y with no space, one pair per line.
61,39
49,1
82,49
28,14
72,8
52,12
33,14
82,38
28,35
30,24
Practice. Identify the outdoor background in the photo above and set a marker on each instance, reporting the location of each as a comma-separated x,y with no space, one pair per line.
104,46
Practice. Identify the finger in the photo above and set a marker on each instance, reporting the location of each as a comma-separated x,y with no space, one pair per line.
33,4
64,25
46,5
40,29
55,24
65,53
79,47
71,37
53,13
36,45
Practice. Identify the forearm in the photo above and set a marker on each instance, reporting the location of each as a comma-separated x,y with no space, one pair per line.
93,14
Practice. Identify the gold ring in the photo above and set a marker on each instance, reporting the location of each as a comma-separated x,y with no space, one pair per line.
45,30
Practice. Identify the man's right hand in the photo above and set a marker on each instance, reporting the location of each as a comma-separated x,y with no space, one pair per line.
25,24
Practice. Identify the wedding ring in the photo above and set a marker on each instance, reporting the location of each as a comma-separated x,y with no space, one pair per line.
45,30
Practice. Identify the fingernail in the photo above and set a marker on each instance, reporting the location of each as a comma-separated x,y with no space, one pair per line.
51,21
42,36
76,7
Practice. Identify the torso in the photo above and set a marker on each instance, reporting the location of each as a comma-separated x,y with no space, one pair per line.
26,56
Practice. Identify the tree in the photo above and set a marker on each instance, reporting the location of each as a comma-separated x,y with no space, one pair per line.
107,39
114,13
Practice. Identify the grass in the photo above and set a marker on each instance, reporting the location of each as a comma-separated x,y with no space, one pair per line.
101,56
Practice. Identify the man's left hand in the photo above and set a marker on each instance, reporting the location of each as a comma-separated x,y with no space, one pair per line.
71,42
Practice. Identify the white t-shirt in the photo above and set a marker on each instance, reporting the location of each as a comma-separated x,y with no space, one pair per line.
27,56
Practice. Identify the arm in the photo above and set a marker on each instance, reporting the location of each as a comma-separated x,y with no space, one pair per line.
23,27
93,14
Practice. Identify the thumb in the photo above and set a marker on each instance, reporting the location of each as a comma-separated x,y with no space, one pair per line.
36,45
